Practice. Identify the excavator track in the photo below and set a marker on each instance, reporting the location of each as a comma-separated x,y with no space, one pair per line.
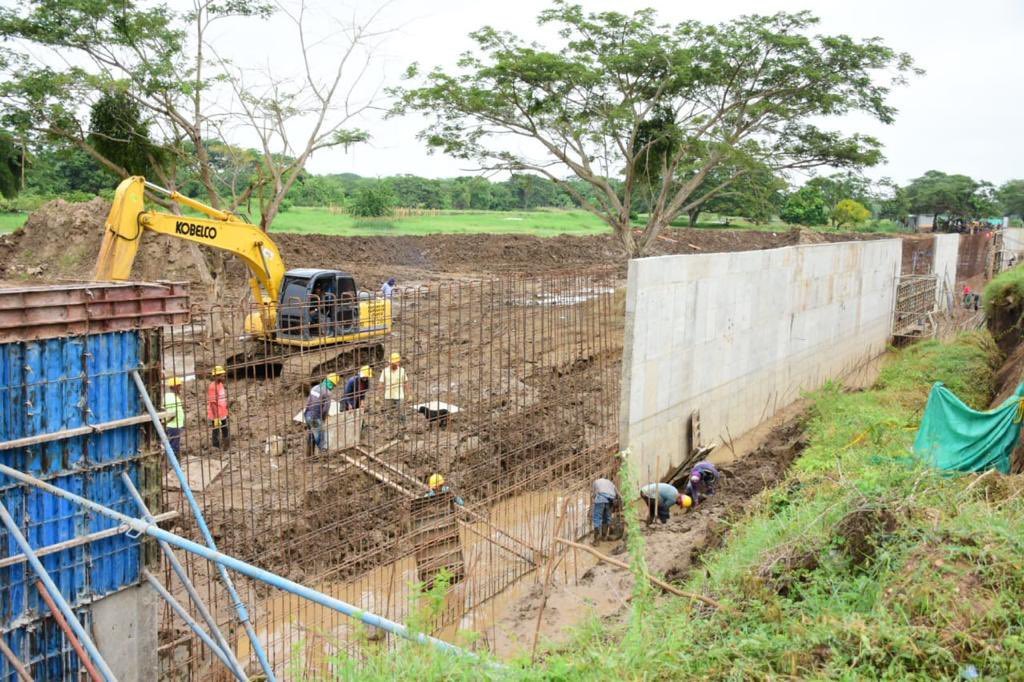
300,368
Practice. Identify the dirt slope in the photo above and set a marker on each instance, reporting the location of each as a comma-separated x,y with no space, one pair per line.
60,242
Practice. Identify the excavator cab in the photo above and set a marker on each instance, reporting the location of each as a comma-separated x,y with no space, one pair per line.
317,304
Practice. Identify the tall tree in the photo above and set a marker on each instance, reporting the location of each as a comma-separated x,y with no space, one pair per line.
1011,197
325,101
953,199
806,206
619,89
113,52
839,186
12,158
755,194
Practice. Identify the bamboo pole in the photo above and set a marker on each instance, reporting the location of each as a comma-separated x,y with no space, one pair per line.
654,581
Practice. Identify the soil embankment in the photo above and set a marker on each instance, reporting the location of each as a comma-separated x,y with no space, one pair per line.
60,241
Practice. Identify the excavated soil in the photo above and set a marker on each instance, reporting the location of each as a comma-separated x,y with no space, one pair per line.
60,242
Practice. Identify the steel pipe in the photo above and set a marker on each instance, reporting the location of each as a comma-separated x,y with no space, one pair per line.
236,600
59,605
226,653
254,572
193,625
81,540
84,430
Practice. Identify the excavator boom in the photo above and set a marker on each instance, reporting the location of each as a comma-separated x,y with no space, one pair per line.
221,230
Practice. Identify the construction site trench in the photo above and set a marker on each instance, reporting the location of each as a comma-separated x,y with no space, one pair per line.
522,336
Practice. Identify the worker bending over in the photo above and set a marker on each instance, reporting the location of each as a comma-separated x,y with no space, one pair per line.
606,498
437,487
703,481
356,388
660,497
217,408
318,406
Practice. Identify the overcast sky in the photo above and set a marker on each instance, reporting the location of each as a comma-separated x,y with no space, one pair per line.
963,116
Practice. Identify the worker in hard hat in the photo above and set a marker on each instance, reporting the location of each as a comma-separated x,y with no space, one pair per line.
174,425
702,482
606,497
660,497
356,388
437,486
217,408
395,382
318,406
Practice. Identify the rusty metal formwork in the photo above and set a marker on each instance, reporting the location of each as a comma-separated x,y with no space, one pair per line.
40,312
915,305
528,369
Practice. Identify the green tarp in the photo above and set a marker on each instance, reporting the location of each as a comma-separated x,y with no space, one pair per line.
955,437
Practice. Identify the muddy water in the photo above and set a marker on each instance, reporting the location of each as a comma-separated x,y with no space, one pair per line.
300,635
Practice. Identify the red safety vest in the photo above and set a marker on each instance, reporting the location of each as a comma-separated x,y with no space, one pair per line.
217,401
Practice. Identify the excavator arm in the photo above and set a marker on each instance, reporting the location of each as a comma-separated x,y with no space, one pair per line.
128,219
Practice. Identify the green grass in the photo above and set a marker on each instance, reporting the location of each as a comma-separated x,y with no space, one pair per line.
1005,290
538,223
9,222
861,564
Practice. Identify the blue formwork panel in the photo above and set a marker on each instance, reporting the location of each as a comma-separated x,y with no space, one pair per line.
12,578
48,386
115,561
50,520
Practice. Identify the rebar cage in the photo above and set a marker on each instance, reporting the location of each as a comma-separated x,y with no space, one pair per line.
511,396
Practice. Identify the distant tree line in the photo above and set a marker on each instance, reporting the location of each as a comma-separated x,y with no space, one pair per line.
841,199
954,200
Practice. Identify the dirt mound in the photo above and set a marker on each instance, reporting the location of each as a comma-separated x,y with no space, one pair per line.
60,241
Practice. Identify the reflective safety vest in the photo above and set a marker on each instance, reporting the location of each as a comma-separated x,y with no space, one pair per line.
173,401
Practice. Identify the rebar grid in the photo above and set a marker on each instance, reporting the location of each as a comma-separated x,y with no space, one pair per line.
532,364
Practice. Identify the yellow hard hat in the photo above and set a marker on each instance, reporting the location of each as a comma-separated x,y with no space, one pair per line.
686,501
333,378
218,371
395,357
366,372
175,381
436,480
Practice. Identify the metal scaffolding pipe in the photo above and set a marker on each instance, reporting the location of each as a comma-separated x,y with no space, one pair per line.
86,430
225,561
227,654
236,600
81,540
60,605
15,662
63,624
193,625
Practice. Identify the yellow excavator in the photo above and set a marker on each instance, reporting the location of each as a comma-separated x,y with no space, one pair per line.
301,315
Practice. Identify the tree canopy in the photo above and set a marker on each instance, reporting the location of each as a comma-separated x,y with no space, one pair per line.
849,212
624,96
806,206
1011,197
953,199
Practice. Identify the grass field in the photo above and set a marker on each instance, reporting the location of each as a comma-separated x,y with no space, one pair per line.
9,222
541,223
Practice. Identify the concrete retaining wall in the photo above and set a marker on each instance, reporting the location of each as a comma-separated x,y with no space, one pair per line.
947,252
738,336
1013,243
